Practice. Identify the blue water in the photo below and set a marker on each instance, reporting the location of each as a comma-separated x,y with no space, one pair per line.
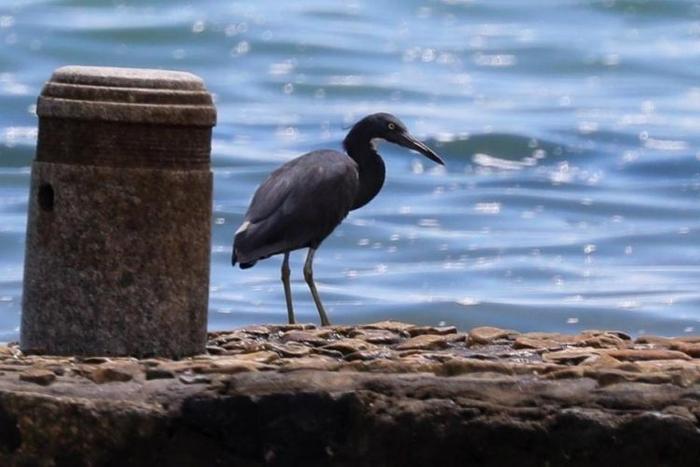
571,130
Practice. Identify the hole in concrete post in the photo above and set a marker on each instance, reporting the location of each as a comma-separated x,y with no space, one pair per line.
46,197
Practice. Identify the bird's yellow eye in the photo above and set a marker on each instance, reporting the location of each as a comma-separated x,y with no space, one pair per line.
392,126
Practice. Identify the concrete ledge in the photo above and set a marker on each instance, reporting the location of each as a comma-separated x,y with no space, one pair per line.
382,394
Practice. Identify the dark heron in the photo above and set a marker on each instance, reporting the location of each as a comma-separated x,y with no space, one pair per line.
301,203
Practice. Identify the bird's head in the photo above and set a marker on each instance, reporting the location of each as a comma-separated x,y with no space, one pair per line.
387,127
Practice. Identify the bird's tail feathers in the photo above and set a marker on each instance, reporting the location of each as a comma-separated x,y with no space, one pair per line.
246,265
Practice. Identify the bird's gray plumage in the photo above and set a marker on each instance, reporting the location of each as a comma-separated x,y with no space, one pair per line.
301,203
297,206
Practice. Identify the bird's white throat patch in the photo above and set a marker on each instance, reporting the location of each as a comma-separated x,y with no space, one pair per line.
243,227
374,142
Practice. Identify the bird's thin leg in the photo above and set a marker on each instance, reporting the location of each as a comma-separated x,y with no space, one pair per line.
309,276
287,288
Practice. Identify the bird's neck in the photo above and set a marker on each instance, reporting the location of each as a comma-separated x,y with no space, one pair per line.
370,168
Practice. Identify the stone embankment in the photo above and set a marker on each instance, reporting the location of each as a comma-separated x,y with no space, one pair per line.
382,394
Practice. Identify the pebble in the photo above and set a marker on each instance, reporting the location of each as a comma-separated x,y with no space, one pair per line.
692,349
440,330
647,354
264,356
159,373
395,326
113,373
423,342
243,346
348,346
94,360
320,363
288,350
570,356
376,336
257,330
215,350
232,366
487,334
195,379
369,354
38,376
306,337
295,327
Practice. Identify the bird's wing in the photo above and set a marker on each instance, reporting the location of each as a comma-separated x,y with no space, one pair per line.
271,193
298,205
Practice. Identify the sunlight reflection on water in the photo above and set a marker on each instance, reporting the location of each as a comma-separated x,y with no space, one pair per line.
570,196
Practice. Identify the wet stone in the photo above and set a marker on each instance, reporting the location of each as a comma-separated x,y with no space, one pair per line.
348,346
158,373
524,342
257,330
113,373
295,327
667,365
288,350
384,365
566,373
376,336
243,346
606,361
395,326
306,337
223,337
569,356
619,334
264,356
423,342
691,349
369,354
613,376
38,376
666,342
94,360
648,354
215,350
439,330
319,363
466,366
601,341
194,379
58,370
337,354
184,366
486,335
456,338
329,332
232,366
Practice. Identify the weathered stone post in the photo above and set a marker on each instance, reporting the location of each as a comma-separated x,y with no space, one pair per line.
118,234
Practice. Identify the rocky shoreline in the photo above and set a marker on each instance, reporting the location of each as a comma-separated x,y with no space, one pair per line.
386,393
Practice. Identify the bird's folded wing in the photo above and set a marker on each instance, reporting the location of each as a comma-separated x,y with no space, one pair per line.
298,205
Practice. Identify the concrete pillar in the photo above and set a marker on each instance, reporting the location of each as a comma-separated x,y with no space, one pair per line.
119,226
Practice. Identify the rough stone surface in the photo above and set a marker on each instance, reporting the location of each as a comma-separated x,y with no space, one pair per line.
38,376
131,95
331,397
119,224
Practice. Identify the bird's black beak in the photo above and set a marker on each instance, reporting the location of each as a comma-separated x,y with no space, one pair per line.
408,141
